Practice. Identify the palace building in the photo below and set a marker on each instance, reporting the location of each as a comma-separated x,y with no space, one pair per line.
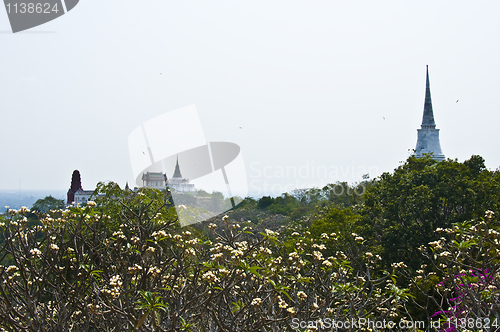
160,181
155,180
76,194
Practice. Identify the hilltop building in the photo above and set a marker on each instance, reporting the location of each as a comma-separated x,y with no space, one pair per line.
178,183
160,181
428,135
156,180
76,194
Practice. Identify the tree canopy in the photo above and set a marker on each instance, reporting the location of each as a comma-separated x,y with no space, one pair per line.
44,205
402,209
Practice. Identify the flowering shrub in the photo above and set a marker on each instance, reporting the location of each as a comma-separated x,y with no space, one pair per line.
123,263
458,315
468,264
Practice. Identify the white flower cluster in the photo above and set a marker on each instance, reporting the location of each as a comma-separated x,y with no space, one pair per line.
341,255
398,265
190,252
445,254
192,241
223,272
35,252
134,269
271,233
216,256
115,282
265,250
11,268
159,235
282,303
436,244
154,271
319,246
236,253
301,295
209,277
317,255
257,301
119,235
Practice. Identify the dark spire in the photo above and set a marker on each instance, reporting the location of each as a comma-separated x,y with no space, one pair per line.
428,118
127,188
76,184
177,172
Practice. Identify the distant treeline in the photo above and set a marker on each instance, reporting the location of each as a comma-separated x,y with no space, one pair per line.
16,199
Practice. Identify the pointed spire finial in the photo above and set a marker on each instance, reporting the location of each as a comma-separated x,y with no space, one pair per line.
177,172
428,135
428,118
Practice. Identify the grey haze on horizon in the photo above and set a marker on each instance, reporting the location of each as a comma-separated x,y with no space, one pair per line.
312,92
15,199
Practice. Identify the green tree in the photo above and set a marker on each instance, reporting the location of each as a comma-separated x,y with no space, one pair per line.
265,201
44,205
216,200
401,210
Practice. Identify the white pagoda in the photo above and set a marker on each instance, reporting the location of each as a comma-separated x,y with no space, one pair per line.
428,135
178,183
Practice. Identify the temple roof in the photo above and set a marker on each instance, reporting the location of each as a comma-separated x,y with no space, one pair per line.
153,176
84,192
177,172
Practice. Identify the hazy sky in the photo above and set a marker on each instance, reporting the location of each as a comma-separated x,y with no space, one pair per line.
308,82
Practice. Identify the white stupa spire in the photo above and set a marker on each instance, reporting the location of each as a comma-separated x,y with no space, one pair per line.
428,135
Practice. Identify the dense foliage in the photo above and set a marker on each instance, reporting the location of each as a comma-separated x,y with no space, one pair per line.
123,264
402,209
413,245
